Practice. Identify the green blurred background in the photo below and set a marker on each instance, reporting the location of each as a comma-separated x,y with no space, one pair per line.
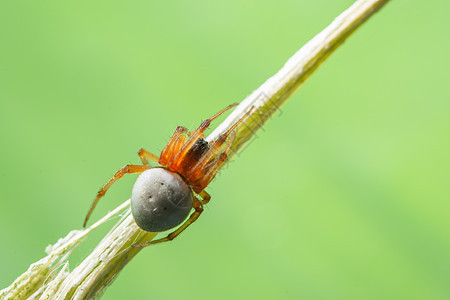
343,195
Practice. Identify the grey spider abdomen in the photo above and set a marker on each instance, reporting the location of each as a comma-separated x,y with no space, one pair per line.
160,200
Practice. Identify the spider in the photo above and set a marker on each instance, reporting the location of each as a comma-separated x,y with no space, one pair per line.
162,197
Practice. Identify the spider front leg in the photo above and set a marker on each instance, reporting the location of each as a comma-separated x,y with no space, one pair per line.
147,155
128,169
207,173
204,163
176,164
198,209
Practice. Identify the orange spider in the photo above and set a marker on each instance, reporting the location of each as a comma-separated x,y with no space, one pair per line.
162,197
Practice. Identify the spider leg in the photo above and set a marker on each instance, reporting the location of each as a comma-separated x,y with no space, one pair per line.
198,168
198,209
204,180
205,197
173,146
196,134
209,171
146,155
128,169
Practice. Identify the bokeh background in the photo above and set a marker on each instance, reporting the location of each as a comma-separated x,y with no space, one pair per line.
344,194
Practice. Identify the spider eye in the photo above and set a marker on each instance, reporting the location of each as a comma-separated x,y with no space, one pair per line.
160,200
